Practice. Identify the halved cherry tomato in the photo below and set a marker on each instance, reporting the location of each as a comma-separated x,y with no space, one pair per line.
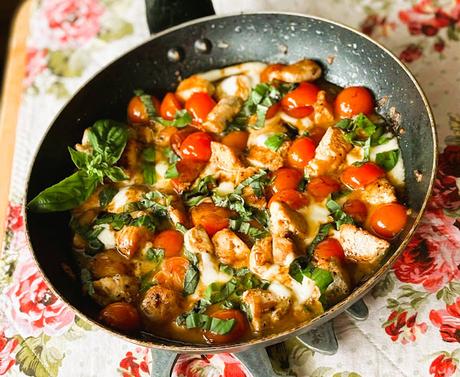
329,248
121,316
199,105
292,198
210,217
354,100
388,219
360,176
356,209
321,187
239,328
286,178
301,152
196,146
169,106
172,273
178,137
137,113
236,140
270,68
299,102
272,110
171,241
188,170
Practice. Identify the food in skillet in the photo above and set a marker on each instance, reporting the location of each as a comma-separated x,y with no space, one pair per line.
251,199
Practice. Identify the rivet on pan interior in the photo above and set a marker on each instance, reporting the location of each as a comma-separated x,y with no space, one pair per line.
175,54
203,46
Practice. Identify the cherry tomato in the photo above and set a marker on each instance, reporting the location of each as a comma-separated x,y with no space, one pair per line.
388,219
172,273
353,101
301,152
270,68
169,106
299,102
321,187
196,146
239,328
171,241
286,178
121,316
188,170
178,137
329,248
356,209
272,110
210,217
292,198
199,105
137,113
236,140
360,176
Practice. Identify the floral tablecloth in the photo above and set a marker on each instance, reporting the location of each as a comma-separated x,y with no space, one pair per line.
414,323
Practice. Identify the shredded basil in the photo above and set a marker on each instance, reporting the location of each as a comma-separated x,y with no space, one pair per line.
145,221
106,195
199,191
192,277
181,119
115,220
205,322
181,228
245,227
257,182
275,141
86,279
218,292
155,254
323,232
340,217
301,267
146,282
387,160
172,171
148,165
170,155
146,100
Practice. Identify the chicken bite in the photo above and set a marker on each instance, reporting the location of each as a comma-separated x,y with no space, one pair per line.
341,286
196,241
223,112
230,249
378,192
285,222
115,288
223,164
303,70
160,304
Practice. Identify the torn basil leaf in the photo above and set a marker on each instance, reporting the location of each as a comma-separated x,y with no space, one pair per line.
275,141
106,195
192,276
301,267
322,234
245,227
207,323
181,119
340,217
387,160
172,172
155,254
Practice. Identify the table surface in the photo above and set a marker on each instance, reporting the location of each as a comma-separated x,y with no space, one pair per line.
414,323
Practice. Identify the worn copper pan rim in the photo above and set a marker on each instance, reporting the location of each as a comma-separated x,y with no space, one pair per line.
357,294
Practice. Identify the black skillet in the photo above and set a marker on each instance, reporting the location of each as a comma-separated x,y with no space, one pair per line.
348,58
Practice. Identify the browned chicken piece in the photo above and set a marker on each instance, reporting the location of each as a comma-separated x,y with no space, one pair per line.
193,84
330,153
196,241
230,249
223,112
108,263
144,134
124,196
163,135
261,255
177,212
378,192
236,85
264,308
303,70
161,304
130,239
248,192
265,158
115,288
223,164
323,113
285,222
284,251
361,246
341,286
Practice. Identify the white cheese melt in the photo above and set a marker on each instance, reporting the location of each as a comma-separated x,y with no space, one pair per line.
120,199
107,236
209,270
315,214
279,290
395,175
161,168
251,69
306,291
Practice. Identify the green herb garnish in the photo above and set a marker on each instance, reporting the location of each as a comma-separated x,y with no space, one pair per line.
387,160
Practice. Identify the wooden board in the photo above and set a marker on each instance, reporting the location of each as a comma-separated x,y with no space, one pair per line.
10,102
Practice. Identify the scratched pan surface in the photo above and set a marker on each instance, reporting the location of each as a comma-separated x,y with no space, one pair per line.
348,58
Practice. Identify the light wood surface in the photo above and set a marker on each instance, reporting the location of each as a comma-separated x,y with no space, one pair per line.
10,101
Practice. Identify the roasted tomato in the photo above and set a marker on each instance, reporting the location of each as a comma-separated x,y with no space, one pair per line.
236,140
170,106
321,187
178,137
356,209
329,248
286,178
301,152
172,273
171,241
199,105
196,146
210,217
272,110
292,198
238,330
188,170
121,316
137,113
353,101
360,176
299,103
388,219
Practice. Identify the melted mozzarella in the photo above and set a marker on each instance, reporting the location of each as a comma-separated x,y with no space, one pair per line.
355,155
107,237
120,200
279,290
302,124
395,175
225,188
315,214
306,291
209,270
161,168
239,86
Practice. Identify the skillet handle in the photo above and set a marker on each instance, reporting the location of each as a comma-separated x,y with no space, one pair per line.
162,362
162,14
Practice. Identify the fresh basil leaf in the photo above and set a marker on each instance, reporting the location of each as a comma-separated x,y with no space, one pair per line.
207,323
323,278
80,159
115,220
339,216
192,276
170,155
275,141
181,228
87,281
148,103
199,191
322,234
155,254
344,124
181,119
225,268
238,225
151,200
172,172
149,173
148,154
67,194
116,174
108,139
91,237
301,267
217,292
106,195
387,160
296,268
257,182
145,221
